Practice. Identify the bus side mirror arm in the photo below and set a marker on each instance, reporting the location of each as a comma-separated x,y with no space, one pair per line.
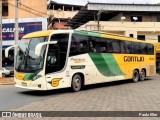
40,45
7,50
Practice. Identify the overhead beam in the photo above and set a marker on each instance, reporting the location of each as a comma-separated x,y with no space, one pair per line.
124,7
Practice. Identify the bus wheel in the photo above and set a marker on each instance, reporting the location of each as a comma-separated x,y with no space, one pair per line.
135,76
3,75
142,75
76,83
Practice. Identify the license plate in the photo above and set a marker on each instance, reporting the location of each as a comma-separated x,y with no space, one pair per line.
24,84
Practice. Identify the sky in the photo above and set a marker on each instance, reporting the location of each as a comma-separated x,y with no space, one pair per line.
83,2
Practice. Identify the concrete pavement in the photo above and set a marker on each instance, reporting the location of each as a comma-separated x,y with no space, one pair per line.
114,96
7,81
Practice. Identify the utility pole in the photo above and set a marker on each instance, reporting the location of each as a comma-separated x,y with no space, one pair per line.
1,38
16,35
98,18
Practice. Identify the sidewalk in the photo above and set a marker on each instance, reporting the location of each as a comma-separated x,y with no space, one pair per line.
7,81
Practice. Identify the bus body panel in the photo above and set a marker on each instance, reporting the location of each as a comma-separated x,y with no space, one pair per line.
93,70
39,84
97,67
58,80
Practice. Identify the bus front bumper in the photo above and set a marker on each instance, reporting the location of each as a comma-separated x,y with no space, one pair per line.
33,85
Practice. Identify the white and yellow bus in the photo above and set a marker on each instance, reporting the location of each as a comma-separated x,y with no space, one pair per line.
72,58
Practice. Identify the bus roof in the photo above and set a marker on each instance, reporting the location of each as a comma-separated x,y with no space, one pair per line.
85,32
38,34
108,35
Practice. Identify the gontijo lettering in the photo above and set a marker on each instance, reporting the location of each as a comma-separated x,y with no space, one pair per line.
133,59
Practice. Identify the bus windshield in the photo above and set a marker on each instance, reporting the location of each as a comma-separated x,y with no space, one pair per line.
26,61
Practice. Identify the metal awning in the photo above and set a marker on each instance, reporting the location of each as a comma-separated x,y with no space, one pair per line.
89,12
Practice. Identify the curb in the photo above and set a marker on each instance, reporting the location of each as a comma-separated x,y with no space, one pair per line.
11,83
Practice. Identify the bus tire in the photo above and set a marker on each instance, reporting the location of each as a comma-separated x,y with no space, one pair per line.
142,75
135,76
76,83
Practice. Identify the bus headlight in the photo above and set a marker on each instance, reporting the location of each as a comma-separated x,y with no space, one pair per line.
36,77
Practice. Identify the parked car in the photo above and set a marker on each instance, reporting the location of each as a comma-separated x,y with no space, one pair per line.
7,72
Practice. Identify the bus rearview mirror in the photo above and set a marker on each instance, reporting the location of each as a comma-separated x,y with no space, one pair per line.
7,50
40,45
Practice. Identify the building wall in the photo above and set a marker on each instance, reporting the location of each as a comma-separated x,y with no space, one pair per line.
58,25
62,17
29,11
148,27
145,18
27,8
62,14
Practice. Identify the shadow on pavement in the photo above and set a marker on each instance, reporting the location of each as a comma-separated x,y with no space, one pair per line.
46,93
87,87
114,83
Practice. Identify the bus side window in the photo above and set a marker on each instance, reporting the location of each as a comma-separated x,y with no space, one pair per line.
91,46
122,46
109,47
82,45
73,47
128,47
135,47
143,48
103,47
150,49
79,45
94,44
116,46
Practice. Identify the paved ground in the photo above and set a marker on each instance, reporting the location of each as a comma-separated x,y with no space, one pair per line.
7,81
114,96
12,97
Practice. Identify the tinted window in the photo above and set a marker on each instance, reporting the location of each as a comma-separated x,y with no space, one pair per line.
123,47
135,48
79,45
143,48
150,49
83,44
95,44
62,41
56,56
103,45
107,45
128,47
110,46
116,46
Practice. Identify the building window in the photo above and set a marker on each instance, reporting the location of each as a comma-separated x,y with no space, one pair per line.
141,37
136,18
131,35
158,18
5,8
158,38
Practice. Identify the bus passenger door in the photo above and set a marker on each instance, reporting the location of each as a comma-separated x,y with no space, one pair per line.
55,63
